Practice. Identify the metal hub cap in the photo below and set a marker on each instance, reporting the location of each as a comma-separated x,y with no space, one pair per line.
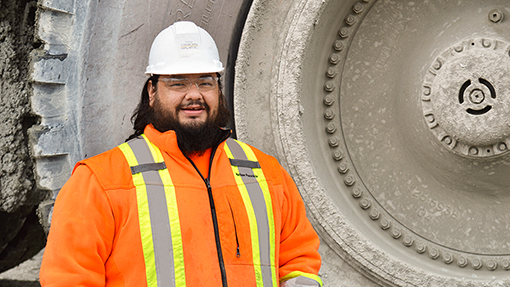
464,98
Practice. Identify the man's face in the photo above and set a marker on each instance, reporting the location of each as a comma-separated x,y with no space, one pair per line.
185,103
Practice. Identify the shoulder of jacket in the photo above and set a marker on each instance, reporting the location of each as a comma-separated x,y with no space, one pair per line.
111,169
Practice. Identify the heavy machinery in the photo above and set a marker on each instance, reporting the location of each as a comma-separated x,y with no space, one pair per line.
391,116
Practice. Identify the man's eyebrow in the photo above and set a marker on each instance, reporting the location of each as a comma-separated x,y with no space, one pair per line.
181,77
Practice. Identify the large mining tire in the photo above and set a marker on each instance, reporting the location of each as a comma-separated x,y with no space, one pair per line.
21,235
393,119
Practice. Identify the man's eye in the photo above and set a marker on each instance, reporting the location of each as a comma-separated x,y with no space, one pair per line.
177,84
206,84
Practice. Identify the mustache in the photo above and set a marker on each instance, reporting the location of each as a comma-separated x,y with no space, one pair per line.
200,103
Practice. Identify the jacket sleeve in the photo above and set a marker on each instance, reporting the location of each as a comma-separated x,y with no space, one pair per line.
81,234
299,243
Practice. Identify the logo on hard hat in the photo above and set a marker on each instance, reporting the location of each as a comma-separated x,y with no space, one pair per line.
188,45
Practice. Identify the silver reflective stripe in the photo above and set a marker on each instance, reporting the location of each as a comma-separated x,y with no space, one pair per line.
300,281
259,206
160,224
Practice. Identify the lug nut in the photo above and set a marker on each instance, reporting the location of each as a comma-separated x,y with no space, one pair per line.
437,65
334,59
329,86
421,248
462,262
329,114
339,45
344,32
350,20
331,72
357,8
496,16
357,193
328,100
385,224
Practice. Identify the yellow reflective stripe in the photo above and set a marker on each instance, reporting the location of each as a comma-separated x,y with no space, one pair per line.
269,204
251,219
173,214
144,218
131,159
259,175
295,274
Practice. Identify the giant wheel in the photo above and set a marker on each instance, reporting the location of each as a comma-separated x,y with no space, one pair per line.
393,118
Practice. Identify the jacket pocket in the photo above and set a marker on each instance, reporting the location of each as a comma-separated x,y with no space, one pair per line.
238,251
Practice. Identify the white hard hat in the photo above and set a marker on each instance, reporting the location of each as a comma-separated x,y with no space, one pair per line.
183,48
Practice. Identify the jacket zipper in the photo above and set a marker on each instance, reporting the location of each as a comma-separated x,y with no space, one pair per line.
216,233
214,217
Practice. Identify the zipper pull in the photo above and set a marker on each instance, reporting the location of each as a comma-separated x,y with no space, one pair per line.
238,252
208,184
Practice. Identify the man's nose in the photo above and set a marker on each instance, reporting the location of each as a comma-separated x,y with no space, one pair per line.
193,92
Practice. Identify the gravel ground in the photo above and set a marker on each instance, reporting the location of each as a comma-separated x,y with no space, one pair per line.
25,275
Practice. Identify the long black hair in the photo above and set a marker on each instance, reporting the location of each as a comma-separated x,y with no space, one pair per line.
144,113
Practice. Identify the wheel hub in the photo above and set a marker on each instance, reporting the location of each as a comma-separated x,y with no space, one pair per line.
464,101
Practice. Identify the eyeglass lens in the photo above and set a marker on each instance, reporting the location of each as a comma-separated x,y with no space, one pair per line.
203,84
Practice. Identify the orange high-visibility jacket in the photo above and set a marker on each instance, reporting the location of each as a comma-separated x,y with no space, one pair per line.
95,237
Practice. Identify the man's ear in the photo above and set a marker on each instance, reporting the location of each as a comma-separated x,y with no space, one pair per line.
151,90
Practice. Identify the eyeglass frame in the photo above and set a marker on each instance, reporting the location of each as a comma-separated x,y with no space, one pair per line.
196,82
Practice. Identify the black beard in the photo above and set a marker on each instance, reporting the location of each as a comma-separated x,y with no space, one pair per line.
194,138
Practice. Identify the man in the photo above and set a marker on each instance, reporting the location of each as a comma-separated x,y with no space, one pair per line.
180,204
